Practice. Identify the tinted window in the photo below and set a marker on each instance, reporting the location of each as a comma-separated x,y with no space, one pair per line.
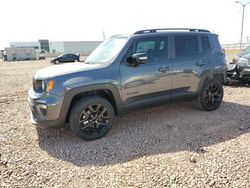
205,43
186,46
144,46
155,48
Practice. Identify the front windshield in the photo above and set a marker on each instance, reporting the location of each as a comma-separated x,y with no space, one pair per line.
245,51
107,50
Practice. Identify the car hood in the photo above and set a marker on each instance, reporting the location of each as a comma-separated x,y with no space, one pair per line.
58,70
54,58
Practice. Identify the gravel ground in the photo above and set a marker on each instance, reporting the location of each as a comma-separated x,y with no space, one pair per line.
173,145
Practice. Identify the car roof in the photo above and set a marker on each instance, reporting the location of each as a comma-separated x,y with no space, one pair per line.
168,31
172,31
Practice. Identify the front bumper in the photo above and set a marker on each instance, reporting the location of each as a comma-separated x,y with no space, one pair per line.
245,73
239,73
45,110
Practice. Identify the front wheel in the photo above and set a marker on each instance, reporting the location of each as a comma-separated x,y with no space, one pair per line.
210,96
91,118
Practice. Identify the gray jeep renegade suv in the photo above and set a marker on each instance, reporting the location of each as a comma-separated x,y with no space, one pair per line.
126,72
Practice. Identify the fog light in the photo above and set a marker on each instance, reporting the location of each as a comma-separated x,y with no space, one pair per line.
42,109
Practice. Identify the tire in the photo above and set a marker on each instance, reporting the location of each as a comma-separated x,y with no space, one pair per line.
76,60
210,96
56,62
91,117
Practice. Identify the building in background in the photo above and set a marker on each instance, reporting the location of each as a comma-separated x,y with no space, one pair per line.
83,47
59,47
2,54
35,45
44,45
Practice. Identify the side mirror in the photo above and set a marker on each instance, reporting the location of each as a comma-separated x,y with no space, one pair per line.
136,59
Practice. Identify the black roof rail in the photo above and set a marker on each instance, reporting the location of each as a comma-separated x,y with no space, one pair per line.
171,29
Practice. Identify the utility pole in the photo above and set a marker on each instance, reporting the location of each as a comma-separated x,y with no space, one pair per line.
242,23
103,35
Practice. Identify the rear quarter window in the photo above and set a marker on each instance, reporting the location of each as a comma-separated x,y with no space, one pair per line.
205,43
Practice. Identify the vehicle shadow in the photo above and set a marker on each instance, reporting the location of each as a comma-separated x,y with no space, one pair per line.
160,130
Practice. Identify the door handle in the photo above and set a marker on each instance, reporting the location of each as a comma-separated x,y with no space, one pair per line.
163,69
201,63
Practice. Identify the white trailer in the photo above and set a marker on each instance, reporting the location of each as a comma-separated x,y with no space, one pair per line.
20,54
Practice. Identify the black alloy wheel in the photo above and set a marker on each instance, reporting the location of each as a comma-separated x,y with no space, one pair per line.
94,119
91,117
211,95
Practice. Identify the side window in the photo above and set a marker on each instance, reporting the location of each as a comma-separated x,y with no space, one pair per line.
205,43
144,46
186,46
162,45
156,48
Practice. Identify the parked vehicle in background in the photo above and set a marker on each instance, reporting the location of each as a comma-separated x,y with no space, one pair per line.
20,54
41,57
66,58
239,68
127,72
243,53
4,57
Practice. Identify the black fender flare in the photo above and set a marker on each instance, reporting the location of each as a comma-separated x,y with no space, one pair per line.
70,93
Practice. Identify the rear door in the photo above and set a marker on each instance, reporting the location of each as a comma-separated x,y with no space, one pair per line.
151,81
190,63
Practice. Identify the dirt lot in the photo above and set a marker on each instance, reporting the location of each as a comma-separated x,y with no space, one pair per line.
173,145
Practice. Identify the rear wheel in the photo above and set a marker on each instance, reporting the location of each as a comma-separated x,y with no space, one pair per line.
91,118
210,96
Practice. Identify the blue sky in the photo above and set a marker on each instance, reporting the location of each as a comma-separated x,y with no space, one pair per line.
59,20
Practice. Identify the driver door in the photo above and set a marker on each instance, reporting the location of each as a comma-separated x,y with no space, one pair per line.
148,82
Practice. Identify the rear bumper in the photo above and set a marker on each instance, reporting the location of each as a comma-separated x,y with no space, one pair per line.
45,110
